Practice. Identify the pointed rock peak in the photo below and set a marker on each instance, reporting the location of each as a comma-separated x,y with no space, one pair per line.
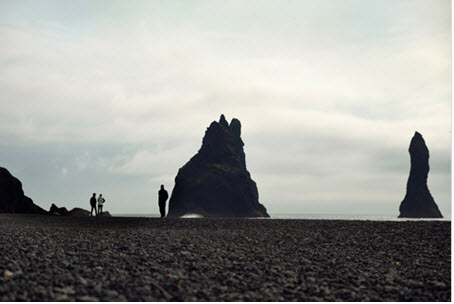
418,145
222,121
235,126
417,134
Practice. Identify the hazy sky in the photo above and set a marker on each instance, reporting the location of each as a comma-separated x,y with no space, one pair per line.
114,97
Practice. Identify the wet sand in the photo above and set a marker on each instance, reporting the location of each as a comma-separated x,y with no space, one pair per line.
47,258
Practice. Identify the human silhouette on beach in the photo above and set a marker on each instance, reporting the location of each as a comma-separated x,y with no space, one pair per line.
101,201
93,205
163,196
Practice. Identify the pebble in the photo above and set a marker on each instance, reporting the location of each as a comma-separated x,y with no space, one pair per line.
111,293
82,280
87,299
440,284
66,290
61,298
8,273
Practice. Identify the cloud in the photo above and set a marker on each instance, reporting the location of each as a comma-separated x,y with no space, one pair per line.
158,161
64,171
101,89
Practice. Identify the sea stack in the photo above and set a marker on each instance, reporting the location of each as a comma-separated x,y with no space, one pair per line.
215,181
12,198
418,202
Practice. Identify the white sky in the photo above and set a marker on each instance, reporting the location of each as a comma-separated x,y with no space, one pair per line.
114,97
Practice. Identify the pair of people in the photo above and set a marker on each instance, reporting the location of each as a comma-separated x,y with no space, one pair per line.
100,201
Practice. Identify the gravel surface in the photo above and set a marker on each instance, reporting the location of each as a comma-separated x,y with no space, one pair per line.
47,258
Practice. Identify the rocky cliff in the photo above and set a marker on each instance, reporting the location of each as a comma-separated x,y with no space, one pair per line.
215,181
12,198
418,202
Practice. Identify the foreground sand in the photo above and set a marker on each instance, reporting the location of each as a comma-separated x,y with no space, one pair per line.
149,259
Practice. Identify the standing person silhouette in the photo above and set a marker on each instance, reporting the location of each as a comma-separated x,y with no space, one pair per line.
101,201
93,205
163,196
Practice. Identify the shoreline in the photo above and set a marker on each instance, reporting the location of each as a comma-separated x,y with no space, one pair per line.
51,258
308,216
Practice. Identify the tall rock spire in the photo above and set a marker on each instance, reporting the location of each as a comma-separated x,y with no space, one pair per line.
215,181
418,202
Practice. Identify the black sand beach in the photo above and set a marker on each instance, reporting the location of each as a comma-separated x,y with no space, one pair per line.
47,258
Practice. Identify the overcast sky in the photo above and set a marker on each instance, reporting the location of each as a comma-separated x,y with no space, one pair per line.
114,97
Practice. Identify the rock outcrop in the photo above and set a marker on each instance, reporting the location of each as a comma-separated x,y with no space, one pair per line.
215,181
105,214
418,202
54,210
78,212
12,198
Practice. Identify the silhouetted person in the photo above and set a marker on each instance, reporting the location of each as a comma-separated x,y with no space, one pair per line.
163,196
93,204
101,201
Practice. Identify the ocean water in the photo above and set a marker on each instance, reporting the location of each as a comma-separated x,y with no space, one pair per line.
351,217
347,217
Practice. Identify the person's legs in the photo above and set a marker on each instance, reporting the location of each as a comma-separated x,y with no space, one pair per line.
162,209
100,210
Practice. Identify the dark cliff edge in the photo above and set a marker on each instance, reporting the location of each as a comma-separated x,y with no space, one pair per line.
418,202
215,181
12,198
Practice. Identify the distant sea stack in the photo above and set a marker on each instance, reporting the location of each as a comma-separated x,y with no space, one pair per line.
215,181
12,198
418,202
